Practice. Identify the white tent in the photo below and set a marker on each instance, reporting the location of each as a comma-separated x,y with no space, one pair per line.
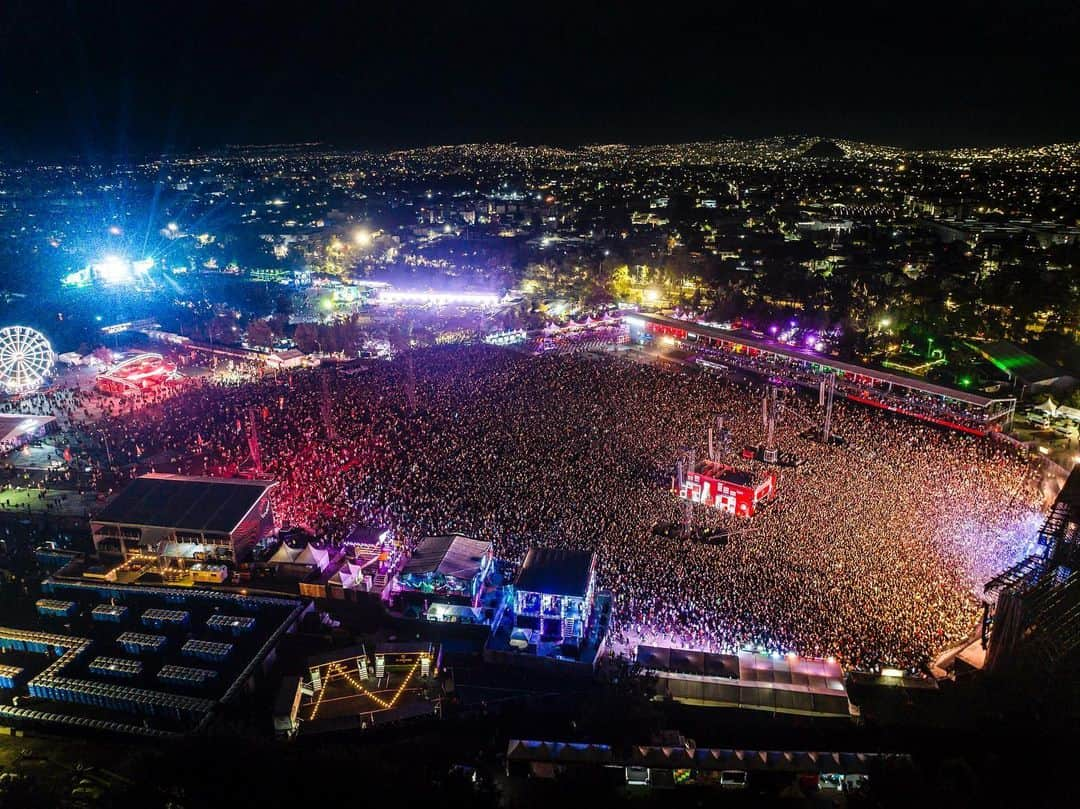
1069,412
316,557
350,576
1048,406
285,555
308,556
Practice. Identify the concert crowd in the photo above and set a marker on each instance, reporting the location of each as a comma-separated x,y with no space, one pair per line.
872,552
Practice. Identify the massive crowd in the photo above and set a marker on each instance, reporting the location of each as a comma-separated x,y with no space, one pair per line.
871,552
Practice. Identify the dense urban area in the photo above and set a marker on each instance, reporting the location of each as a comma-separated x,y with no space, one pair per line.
881,248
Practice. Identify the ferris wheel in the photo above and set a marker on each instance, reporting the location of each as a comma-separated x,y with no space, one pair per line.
25,358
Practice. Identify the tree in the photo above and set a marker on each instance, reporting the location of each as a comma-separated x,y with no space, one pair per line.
306,337
102,354
222,329
260,334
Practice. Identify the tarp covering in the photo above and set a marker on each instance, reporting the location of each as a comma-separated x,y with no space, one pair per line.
562,752
707,664
452,555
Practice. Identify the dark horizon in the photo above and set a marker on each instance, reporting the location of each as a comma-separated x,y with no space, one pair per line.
117,80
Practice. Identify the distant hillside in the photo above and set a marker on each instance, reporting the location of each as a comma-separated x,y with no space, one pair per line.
824,150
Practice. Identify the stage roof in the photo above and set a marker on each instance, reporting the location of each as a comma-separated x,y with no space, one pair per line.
14,426
793,353
556,572
452,555
216,505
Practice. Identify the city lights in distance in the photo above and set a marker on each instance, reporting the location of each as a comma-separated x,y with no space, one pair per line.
362,237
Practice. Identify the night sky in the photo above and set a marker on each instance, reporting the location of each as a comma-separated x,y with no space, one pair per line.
106,79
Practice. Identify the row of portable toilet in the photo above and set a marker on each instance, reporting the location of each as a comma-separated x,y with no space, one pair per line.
15,714
234,624
51,608
10,676
109,613
115,667
159,619
117,697
186,677
207,650
139,643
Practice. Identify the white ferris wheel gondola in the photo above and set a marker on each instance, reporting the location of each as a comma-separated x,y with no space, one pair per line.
26,357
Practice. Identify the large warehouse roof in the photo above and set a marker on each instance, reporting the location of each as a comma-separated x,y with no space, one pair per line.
185,503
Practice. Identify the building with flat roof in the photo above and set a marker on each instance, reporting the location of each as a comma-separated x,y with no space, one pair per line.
182,518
